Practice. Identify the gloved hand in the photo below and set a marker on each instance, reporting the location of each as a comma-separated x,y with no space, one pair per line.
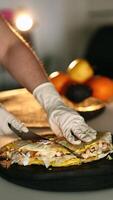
5,118
63,120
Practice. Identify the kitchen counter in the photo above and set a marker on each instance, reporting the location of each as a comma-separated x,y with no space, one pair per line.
10,191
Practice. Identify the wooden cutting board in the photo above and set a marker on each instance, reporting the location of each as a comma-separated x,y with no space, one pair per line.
24,106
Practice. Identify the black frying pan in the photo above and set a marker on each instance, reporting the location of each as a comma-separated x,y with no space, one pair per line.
91,176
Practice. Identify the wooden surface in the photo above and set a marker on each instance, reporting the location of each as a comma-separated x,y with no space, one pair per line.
24,106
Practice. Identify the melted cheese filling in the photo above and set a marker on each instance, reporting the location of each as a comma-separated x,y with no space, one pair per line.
43,152
49,153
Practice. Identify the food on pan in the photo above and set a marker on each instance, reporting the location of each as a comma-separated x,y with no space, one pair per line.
94,150
39,153
55,152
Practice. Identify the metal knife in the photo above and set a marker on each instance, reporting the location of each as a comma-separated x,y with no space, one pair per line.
30,135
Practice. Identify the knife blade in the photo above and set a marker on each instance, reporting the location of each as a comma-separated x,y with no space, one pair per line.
30,135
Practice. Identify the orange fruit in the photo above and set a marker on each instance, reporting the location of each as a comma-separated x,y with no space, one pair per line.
102,87
80,70
60,81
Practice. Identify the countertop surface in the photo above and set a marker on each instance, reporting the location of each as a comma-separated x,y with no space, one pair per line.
10,191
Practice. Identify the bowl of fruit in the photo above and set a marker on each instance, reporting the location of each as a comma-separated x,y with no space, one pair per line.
82,90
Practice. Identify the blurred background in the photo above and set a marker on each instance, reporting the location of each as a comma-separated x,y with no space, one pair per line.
61,31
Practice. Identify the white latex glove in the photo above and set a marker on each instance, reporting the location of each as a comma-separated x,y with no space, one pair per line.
5,118
63,120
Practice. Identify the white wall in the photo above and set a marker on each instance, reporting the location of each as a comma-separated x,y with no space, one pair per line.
60,30
65,26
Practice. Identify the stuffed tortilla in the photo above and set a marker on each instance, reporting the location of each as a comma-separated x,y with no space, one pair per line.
55,152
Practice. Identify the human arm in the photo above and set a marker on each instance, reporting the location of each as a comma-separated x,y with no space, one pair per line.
19,59
22,63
